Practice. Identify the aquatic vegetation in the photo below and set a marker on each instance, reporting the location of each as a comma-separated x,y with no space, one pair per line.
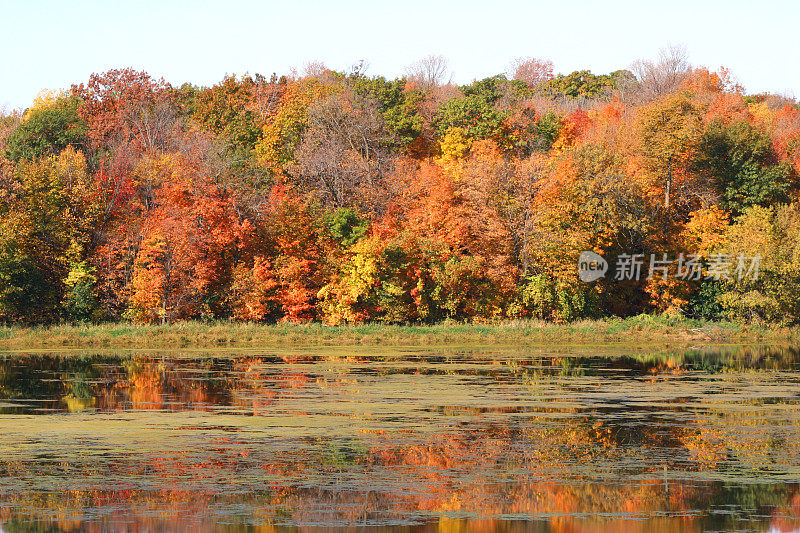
428,438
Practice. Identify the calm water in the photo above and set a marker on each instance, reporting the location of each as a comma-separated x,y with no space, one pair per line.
423,440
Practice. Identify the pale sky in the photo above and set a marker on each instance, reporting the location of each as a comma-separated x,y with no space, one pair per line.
52,44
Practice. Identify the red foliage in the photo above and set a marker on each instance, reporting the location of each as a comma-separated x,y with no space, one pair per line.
124,105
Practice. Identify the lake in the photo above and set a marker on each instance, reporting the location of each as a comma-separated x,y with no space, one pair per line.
424,439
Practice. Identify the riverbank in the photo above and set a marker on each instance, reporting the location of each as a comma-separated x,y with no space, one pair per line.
641,330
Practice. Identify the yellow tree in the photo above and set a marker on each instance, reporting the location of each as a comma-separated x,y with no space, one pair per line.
670,130
283,133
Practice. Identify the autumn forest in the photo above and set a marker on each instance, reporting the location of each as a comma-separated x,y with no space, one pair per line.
346,197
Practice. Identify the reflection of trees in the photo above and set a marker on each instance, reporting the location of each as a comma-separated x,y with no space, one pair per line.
156,383
710,360
551,507
45,377
532,471
502,458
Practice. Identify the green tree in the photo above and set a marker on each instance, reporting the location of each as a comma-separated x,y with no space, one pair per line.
47,131
52,206
230,109
345,226
704,302
744,166
544,298
399,107
773,234
474,114
548,127
584,84
80,302
24,287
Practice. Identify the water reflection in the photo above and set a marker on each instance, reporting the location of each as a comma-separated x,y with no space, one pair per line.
500,440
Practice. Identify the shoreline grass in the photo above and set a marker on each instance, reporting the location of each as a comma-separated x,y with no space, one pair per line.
641,330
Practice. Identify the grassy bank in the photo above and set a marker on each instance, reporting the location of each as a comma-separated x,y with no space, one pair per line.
640,330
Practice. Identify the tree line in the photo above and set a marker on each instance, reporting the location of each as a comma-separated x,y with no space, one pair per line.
348,197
